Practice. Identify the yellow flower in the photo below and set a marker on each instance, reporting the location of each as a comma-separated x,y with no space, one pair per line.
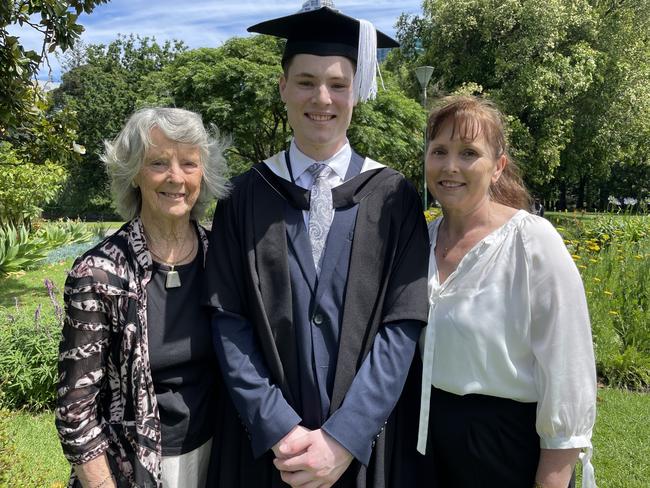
613,312
575,256
608,293
582,266
592,260
597,280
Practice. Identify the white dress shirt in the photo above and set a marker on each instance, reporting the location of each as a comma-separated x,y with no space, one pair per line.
512,322
300,163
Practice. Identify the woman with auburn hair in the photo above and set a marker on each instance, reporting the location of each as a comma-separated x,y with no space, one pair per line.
509,380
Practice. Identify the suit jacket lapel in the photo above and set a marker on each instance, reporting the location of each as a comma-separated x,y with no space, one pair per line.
299,242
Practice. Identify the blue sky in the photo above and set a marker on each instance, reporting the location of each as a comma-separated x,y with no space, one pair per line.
205,23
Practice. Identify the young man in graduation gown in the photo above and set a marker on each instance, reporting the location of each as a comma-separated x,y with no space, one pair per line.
317,279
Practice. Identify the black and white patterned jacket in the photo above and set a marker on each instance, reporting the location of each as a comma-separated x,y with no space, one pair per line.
106,401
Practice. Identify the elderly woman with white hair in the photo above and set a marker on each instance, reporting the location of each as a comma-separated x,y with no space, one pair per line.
138,378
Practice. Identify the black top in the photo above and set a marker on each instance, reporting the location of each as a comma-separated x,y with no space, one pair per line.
183,365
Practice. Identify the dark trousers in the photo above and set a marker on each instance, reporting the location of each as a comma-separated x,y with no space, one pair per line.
480,441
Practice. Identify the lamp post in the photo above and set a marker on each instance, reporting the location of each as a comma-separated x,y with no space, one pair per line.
423,74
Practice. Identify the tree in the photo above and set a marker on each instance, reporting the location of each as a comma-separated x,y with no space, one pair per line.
390,129
610,150
33,169
570,75
57,22
102,87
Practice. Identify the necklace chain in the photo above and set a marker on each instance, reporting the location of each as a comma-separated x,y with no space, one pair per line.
177,261
172,264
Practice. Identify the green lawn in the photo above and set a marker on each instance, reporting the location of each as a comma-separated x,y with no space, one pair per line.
622,439
621,445
27,288
33,457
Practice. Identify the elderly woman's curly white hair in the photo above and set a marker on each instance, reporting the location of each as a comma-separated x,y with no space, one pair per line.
125,154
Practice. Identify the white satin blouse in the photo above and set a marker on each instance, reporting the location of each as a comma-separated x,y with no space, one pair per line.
512,321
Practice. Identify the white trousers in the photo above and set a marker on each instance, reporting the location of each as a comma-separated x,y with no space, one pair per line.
189,470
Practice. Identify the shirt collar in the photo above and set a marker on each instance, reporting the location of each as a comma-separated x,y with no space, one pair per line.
339,162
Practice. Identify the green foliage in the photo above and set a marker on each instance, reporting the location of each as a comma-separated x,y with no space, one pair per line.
389,129
28,356
60,232
101,87
26,186
33,160
19,251
571,75
613,256
57,22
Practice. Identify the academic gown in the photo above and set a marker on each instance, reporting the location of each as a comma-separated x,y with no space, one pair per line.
248,276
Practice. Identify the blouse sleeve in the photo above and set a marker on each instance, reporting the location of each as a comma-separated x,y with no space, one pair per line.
83,353
564,369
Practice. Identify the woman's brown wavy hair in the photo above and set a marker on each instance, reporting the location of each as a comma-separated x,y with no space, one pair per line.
470,116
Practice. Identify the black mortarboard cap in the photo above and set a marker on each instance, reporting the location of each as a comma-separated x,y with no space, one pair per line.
325,31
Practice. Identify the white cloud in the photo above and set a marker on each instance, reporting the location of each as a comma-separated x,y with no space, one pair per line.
204,23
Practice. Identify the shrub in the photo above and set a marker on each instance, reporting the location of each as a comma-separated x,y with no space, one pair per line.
19,250
28,355
26,186
60,232
613,256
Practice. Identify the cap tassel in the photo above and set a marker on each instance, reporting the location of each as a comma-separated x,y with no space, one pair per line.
365,79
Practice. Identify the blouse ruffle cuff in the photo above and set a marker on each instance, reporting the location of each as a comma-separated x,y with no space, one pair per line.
571,442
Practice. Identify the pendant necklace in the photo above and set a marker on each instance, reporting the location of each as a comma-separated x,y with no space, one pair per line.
173,279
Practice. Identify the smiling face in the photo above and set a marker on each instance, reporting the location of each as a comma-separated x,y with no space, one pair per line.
317,92
460,170
169,179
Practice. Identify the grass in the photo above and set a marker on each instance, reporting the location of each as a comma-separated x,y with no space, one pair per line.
621,444
36,457
622,439
28,288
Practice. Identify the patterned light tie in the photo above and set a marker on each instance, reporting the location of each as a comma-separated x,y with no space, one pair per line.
320,211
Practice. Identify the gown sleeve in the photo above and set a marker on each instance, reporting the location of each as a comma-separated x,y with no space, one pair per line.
266,415
375,389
